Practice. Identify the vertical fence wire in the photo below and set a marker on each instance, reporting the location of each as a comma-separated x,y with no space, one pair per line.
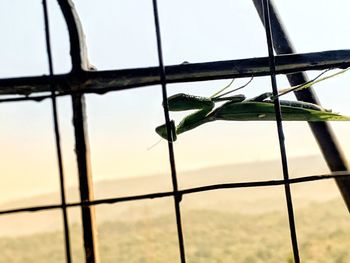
177,196
266,14
57,135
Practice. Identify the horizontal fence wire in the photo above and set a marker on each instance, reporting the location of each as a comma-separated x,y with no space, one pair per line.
211,187
30,98
100,82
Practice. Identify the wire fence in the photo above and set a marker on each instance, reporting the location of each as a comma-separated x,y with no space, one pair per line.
59,85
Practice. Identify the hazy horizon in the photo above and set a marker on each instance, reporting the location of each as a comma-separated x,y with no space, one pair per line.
69,187
242,199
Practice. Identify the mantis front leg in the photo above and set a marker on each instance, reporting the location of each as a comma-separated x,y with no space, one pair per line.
205,113
183,102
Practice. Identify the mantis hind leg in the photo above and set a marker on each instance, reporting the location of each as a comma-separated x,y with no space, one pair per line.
261,97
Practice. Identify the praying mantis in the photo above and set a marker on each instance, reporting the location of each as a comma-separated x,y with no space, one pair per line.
239,108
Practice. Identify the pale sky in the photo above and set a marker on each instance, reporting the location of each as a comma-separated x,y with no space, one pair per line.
120,34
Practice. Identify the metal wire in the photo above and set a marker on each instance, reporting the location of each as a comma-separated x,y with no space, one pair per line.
103,81
211,187
288,195
177,196
57,136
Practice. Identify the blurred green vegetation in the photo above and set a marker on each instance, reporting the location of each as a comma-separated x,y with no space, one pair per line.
323,233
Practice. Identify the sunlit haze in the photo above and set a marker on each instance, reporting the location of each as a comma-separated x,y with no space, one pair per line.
120,34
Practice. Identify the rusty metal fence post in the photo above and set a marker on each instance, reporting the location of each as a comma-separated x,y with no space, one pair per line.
80,64
321,130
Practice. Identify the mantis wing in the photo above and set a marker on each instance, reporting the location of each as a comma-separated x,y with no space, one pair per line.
264,111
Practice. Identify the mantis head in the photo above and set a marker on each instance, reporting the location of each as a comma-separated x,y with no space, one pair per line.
162,131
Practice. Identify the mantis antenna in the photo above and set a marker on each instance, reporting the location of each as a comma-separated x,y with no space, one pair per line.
223,89
310,82
216,95
154,144
241,87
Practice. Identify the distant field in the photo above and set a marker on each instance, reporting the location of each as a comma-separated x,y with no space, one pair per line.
210,236
237,225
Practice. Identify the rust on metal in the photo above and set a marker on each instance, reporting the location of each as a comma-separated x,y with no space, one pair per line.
80,64
89,81
321,130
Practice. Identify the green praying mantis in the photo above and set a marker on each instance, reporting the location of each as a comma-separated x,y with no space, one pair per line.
239,108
